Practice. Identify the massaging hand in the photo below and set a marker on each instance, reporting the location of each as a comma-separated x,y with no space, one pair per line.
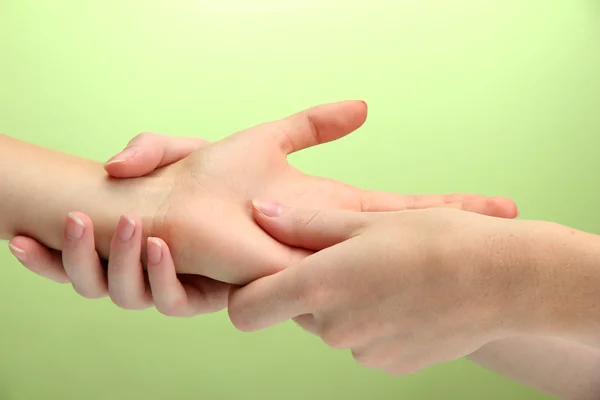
402,290
206,217
80,265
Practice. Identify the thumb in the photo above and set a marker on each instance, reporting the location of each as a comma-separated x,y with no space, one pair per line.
271,300
149,151
306,228
318,125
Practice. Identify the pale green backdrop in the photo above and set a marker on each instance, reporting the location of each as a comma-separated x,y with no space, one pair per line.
494,97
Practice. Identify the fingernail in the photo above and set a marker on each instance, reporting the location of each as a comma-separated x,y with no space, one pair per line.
123,156
125,228
17,252
154,251
75,227
269,208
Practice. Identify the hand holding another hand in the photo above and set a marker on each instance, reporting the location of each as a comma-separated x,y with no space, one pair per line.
122,277
204,220
402,290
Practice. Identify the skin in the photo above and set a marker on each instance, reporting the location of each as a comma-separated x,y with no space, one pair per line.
213,189
406,290
187,202
79,263
560,367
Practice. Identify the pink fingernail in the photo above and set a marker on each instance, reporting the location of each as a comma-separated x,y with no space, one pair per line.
125,228
75,227
123,156
154,251
269,208
18,252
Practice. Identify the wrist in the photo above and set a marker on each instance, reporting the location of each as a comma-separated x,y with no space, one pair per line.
41,186
112,198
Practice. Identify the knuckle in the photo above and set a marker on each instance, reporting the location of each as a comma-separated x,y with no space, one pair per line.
238,313
174,307
283,127
335,337
239,319
305,222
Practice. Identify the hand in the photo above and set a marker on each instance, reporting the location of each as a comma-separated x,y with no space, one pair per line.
207,220
210,177
79,263
402,290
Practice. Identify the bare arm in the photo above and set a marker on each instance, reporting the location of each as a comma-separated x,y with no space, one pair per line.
567,292
39,187
567,370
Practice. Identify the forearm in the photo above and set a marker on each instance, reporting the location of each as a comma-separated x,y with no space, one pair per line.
564,369
39,187
566,291
556,325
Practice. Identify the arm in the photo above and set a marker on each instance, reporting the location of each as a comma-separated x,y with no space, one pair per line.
39,187
79,264
210,191
565,290
500,291
564,369
558,366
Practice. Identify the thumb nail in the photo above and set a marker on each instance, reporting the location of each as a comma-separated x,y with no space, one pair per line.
123,156
269,208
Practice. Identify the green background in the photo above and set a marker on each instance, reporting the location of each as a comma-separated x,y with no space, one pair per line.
493,97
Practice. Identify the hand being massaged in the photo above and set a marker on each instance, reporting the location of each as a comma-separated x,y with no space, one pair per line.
199,236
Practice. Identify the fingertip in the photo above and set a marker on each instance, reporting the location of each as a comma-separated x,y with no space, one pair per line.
17,251
38,259
364,105
154,250
128,169
507,207
81,219
267,215
361,112
128,227
169,295
115,169
268,208
137,159
124,156
75,226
